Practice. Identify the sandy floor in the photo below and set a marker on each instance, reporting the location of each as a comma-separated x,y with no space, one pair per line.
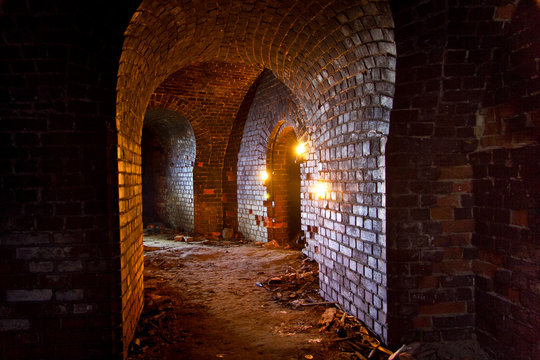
203,303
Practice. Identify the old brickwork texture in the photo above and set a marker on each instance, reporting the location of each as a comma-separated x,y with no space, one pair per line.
420,119
463,254
168,157
283,186
506,188
272,104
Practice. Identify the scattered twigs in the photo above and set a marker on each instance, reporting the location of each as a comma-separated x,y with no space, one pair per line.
395,354
356,339
294,287
342,320
327,318
360,356
323,303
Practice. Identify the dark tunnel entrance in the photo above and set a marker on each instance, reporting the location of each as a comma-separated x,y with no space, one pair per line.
168,154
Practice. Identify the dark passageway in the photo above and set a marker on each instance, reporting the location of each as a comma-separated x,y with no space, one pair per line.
168,154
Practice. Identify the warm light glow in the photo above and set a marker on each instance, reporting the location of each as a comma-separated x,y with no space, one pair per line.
301,148
264,175
320,190
266,196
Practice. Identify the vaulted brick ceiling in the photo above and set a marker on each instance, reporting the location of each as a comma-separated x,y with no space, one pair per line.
324,52
208,95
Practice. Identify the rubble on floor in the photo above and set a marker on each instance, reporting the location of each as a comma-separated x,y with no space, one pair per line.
155,327
157,228
355,339
299,287
226,237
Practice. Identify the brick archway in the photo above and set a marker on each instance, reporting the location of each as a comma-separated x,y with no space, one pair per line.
200,93
283,186
336,58
168,155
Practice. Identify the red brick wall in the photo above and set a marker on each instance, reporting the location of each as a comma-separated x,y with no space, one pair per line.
445,53
168,155
130,216
507,194
430,221
230,162
447,230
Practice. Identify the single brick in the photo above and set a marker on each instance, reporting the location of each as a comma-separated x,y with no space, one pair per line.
41,266
443,308
71,265
69,295
28,295
14,324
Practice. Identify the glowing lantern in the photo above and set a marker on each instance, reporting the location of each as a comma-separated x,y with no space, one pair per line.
320,190
264,176
301,148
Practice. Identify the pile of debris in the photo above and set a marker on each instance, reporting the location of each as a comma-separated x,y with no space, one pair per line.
226,237
157,228
355,339
154,324
296,243
297,286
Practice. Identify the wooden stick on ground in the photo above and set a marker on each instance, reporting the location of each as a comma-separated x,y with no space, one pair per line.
360,356
319,303
395,355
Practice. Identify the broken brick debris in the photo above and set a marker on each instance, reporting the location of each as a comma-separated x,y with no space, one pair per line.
296,287
355,339
299,287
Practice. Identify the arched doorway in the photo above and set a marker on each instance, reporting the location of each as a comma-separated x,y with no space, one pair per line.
283,188
168,154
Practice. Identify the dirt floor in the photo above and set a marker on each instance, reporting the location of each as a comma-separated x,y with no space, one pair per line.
211,299
207,298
